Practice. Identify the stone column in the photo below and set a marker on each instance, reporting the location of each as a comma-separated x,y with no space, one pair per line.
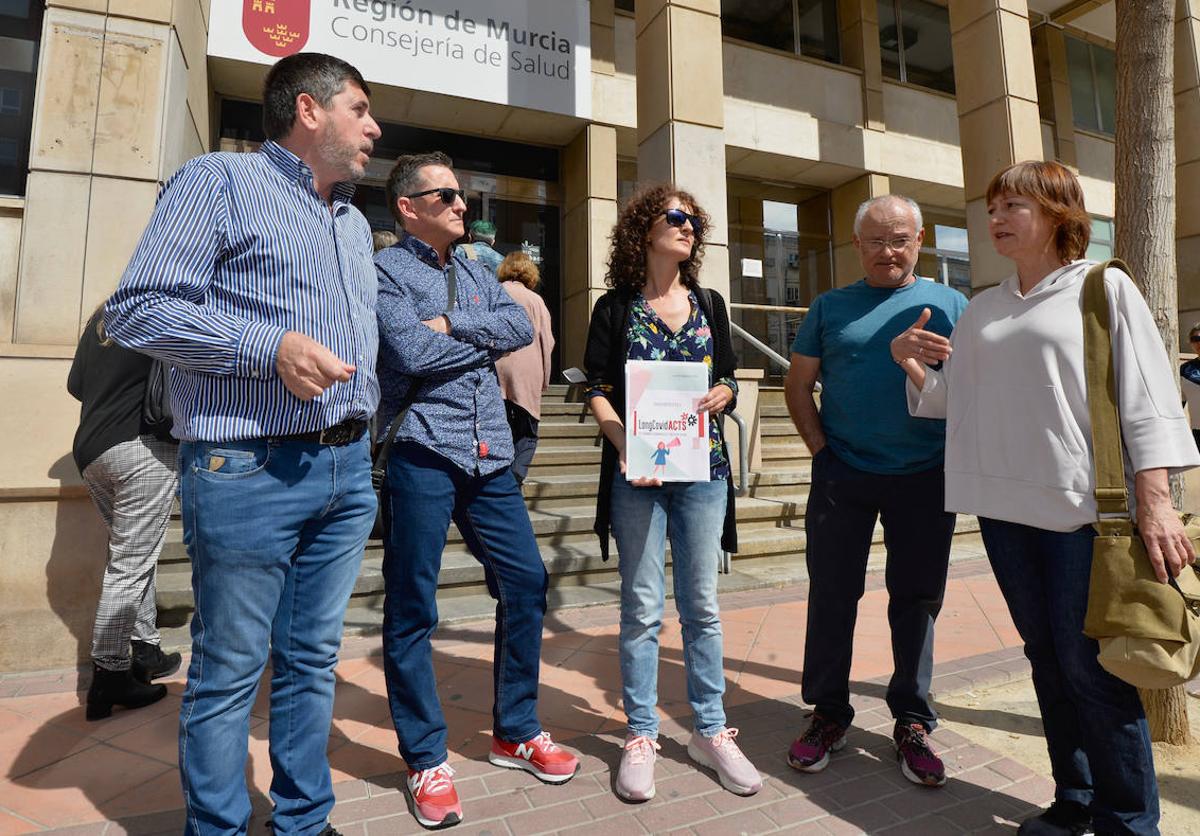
121,101
604,38
1187,162
859,22
680,113
997,111
845,200
590,175
1054,90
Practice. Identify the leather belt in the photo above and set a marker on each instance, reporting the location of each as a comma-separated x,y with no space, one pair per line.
345,432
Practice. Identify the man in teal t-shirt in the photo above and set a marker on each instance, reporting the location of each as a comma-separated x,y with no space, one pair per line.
872,461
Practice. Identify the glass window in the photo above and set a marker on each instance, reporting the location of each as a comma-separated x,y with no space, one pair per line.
766,22
20,37
809,27
945,257
914,39
1091,71
1100,248
626,5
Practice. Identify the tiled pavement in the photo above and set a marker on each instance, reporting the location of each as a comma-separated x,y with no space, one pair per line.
118,776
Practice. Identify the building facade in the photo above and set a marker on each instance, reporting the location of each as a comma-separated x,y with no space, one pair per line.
779,115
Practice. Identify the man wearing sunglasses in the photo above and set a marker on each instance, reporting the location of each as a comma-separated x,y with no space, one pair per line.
872,461
443,322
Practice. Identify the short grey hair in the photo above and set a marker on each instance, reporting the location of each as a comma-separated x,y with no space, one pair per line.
866,206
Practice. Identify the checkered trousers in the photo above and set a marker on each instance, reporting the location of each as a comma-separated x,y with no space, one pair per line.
133,485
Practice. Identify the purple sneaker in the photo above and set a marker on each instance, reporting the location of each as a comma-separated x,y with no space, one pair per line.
810,751
918,762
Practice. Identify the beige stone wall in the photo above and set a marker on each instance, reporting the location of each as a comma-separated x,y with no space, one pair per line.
122,100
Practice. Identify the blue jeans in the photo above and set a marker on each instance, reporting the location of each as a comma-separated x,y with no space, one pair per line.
1096,732
692,515
275,532
426,492
843,505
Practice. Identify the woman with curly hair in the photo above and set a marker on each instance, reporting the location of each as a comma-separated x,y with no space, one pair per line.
656,310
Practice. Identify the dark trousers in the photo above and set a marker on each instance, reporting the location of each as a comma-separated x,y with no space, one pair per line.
843,506
1096,731
525,439
426,492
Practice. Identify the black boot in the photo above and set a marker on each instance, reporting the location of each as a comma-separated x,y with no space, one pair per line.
111,688
150,663
1062,818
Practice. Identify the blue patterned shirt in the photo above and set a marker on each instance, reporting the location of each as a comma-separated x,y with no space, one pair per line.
239,250
650,338
459,412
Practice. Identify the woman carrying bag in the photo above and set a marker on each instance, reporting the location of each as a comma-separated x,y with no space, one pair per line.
1014,391
130,470
656,310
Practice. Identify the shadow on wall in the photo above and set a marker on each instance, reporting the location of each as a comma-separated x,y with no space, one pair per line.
74,572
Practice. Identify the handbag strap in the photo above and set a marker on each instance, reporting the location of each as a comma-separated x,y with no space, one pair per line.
380,464
1107,454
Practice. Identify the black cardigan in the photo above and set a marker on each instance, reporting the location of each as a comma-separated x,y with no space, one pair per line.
604,362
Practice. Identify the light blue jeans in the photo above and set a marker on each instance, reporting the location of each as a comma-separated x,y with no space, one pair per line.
692,515
275,532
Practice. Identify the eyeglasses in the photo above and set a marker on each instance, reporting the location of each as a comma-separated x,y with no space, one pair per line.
446,194
678,217
896,244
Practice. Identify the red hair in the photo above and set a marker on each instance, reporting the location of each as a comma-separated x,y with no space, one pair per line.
1057,191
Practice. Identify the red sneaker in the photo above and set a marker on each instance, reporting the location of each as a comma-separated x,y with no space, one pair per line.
432,797
540,755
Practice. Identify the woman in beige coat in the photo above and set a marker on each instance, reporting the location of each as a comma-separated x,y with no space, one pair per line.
525,373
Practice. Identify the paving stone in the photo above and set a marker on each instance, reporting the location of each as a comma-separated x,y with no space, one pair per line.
660,817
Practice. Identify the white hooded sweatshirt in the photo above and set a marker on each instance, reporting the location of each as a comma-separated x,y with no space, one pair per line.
1014,396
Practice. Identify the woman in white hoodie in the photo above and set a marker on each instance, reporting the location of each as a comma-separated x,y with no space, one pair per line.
1018,455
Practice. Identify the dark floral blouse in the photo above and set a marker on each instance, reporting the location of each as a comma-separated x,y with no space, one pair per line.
651,339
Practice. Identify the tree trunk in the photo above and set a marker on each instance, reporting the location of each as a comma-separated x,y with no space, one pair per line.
1145,222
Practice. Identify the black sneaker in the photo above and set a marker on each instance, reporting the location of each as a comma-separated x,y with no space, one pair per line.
918,762
1062,818
810,751
150,663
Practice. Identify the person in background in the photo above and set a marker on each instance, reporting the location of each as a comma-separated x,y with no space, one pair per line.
381,239
1013,390
130,472
525,373
656,310
254,280
872,462
1189,374
482,245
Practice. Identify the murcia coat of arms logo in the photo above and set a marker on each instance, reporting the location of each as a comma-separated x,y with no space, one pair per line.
276,27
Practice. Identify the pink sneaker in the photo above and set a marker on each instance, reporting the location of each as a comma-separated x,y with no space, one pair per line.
721,754
635,776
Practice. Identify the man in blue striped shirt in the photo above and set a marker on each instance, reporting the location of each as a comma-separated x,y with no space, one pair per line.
254,281
452,460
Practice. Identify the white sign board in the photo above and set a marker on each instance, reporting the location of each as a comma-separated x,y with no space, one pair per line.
666,438
752,268
526,53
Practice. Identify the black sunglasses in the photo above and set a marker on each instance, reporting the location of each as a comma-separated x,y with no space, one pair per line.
678,217
446,194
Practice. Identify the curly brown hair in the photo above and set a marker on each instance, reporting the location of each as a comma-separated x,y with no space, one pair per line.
517,266
630,237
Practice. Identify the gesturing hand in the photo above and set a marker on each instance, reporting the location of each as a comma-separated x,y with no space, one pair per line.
918,344
308,368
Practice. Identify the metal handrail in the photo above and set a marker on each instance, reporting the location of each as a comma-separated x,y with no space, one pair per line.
765,349
747,306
